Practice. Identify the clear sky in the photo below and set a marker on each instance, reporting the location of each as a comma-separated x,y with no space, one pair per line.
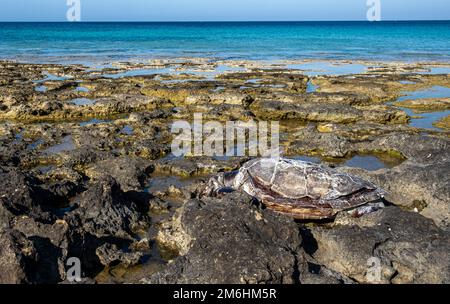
222,10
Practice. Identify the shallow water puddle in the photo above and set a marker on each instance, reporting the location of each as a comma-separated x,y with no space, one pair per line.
261,84
175,81
407,82
373,161
55,77
81,89
35,144
309,159
218,89
139,72
52,77
60,212
93,122
127,130
66,144
276,86
255,80
311,88
438,70
155,259
208,74
426,120
94,67
82,102
41,88
161,183
45,169
223,68
326,68
433,92
369,162
18,137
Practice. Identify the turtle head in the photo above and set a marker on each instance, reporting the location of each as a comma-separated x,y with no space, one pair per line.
221,183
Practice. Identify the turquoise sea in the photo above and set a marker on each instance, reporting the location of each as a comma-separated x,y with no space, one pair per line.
87,42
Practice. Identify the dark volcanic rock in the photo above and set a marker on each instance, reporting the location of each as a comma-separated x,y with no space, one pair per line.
233,241
110,254
423,149
408,247
16,252
50,242
421,187
190,166
104,211
128,172
102,215
19,195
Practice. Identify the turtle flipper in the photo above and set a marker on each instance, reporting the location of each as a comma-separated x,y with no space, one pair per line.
367,208
216,185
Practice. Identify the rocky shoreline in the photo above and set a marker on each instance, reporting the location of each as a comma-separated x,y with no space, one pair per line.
86,172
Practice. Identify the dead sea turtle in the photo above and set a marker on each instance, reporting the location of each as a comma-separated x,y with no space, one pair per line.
300,189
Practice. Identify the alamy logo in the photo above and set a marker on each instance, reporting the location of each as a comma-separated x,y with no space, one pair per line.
73,273
74,11
374,11
233,138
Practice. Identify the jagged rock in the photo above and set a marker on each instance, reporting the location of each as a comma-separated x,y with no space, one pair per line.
16,253
233,241
128,172
423,188
19,195
196,165
51,245
104,211
110,254
407,247
322,112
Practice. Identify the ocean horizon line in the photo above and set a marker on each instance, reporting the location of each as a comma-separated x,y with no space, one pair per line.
232,21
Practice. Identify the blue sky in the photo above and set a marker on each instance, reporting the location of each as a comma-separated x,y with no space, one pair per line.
219,10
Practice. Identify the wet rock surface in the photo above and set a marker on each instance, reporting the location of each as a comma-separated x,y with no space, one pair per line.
426,105
443,123
87,172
